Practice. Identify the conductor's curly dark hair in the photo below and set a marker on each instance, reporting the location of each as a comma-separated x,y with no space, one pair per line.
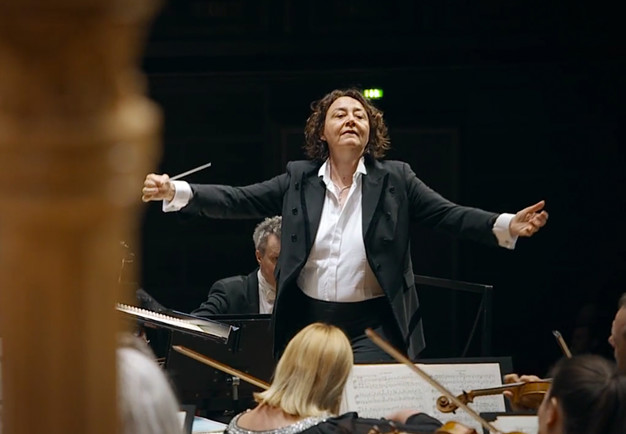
317,149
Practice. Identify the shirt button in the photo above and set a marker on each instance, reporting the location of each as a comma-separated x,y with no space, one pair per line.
294,238
294,211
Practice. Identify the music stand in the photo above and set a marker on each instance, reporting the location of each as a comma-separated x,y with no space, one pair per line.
527,419
484,312
187,413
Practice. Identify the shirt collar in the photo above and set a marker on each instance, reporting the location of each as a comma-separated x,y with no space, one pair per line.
324,171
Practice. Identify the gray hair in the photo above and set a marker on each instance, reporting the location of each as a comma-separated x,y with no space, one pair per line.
147,403
622,301
269,226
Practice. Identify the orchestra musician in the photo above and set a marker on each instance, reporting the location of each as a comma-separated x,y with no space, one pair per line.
345,254
617,339
253,293
298,402
147,403
256,292
587,396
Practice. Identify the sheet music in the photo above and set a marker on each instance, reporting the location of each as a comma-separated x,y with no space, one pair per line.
202,425
526,423
379,390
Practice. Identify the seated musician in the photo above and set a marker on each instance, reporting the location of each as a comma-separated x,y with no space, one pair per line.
146,400
246,294
298,402
587,396
617,339
254,293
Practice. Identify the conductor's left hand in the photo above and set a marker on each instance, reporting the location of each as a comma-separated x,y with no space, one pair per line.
529,220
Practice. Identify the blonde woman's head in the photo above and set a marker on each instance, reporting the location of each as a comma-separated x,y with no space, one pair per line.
312,372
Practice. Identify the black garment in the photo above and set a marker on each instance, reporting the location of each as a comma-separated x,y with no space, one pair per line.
351,423
393,198
232,295
353,318
146,301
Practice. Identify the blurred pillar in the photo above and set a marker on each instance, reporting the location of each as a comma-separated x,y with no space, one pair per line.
77,135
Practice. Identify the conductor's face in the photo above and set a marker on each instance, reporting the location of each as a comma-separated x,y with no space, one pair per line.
346,126
268,257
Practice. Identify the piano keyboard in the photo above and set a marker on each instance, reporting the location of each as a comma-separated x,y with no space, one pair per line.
196,325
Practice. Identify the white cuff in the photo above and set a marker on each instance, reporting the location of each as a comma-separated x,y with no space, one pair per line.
182,196
501,231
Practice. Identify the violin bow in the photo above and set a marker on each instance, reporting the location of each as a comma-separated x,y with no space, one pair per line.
221,366
403,359
562,344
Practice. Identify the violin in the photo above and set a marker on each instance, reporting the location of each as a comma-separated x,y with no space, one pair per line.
455,428
525,394
449,427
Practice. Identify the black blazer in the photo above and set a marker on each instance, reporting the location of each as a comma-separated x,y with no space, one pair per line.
393,199
232,295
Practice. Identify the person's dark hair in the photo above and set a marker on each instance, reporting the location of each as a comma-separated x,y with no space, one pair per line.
317,149
592,395
622,301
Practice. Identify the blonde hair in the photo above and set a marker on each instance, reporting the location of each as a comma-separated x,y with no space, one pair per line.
312,373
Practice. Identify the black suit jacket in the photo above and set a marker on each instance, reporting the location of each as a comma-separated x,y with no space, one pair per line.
393,199
232,295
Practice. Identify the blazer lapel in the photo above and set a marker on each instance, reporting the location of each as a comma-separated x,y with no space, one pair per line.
373,183
253,289
313,194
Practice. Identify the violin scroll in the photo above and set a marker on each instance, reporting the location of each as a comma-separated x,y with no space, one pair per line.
525,395
445,405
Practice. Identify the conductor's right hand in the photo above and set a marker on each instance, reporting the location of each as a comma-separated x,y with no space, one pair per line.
157,187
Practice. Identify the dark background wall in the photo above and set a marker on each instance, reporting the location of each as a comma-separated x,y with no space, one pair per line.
494,104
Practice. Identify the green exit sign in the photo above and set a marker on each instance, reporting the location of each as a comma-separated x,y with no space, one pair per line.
373,93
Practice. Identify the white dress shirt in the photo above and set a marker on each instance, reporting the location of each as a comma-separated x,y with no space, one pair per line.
267,294
337,267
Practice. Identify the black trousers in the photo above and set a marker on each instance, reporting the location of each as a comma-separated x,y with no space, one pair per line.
353,318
